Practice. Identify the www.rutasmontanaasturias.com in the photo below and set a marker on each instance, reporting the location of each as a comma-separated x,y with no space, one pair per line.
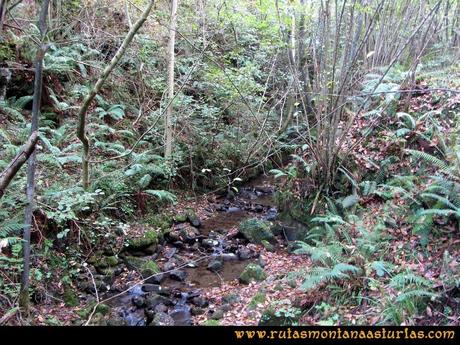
339,333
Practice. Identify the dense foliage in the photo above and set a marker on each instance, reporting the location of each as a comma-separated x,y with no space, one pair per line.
353,106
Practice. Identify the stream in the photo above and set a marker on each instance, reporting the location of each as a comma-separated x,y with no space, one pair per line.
213,253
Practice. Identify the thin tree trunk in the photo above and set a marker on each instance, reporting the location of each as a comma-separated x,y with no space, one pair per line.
81,129
18,161
30,190
3,9
171,61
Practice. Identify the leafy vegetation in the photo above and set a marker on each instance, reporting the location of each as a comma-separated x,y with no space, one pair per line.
351,107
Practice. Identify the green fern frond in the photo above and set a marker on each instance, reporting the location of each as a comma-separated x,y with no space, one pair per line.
321,275
162,195
415,294
405,279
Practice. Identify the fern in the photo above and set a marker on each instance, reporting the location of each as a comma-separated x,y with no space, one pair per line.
415,294
325,254
162,195
436,162
321,275
406,279
9,228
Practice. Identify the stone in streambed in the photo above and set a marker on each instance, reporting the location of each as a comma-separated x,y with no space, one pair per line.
194,220
145,266
156,279
229,257
244,253
138,301
215,266
209,243
181,316
162,319
200,302
152,300
178,275
256,230
156,289
105,261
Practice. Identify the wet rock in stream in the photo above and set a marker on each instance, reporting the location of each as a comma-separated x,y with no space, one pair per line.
229,257
162,319
200,302
155,288
138,301
244,253
256,230
209,243
156,279
152,300
178,275
215,266
181,316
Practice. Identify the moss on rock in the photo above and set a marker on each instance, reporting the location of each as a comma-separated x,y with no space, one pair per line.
107,261
256,230
252,272
145,266
150,238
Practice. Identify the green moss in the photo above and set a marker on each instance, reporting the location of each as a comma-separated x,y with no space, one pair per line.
256,230
252,272
146,266
101,309
211,323
104,309
149,268
268,246
106,261
160,222
180,218
150,238
258,298
70,297
6,52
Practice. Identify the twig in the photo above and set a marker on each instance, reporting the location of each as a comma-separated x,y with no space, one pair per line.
94,284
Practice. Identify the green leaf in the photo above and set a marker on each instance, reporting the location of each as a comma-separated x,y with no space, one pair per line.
277,173
135,169
380,268
350,201
116,112
145,181
162,195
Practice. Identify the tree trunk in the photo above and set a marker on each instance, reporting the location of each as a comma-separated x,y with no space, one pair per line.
81,128
171,61
24,292
11,170
3,9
